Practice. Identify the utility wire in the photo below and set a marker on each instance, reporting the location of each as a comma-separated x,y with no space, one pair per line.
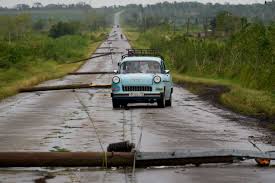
90,119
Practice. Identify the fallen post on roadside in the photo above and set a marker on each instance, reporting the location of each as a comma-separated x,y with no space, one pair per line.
65,159
107,47
96,56
89,73
112,40
126,159
64,87
98,53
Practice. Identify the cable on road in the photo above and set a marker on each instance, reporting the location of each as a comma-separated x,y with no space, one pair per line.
131,174
250,140
135,151
91,120
132,126
105,160
139,140
85,108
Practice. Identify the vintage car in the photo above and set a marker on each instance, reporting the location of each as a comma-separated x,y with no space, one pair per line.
141,78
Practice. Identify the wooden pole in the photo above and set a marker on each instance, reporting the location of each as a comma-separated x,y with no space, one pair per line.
109,53
87,73
95,159
124,159
63,87
96,56
65,159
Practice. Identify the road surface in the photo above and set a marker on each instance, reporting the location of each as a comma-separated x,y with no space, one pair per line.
52,120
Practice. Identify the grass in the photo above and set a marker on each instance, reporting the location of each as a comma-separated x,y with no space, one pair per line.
246,101
11,80
132,35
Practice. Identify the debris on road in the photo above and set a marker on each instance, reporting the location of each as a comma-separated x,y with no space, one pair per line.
99,53
88,73
127,159
89,58
64,87
121,147
105,47
65,159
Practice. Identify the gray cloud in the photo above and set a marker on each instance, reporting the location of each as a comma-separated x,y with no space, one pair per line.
99,3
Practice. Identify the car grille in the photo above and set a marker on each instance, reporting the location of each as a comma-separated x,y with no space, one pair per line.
137,88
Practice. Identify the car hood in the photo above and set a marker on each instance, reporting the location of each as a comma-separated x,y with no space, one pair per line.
136,79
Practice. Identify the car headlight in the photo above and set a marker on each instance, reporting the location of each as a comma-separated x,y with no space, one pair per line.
157,79
116,79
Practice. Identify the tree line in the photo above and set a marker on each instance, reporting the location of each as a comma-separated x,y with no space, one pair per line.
245,56
25,38
194,13
38,5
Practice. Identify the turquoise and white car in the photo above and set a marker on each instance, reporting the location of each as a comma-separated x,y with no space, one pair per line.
141,78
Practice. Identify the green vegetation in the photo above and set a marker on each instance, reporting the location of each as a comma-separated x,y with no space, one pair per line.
212,44
62,29
33,51
180,13
238,55
96,17
251,102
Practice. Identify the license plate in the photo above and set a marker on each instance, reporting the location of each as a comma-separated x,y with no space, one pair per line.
136,94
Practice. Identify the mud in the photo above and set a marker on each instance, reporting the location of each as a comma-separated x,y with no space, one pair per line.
212,94
56,121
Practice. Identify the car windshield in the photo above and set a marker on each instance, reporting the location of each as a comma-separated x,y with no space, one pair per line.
140,67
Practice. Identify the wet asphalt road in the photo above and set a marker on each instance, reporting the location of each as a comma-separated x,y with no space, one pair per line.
44,121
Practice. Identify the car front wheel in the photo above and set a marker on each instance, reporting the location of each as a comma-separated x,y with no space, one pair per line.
169,102
161,102
115,103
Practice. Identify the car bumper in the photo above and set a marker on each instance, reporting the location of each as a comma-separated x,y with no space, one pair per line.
148,97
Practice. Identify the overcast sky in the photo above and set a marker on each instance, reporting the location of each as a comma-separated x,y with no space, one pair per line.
99,3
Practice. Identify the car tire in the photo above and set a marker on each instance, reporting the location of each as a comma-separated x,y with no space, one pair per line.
161,102
124,104
169,102
115,104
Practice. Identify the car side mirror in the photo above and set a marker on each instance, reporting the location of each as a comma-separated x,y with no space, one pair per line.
167,71
116,71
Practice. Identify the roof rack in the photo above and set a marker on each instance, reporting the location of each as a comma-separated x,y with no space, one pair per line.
142,52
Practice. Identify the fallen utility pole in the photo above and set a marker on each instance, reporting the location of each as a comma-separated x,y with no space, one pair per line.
97,56
198,157
65,159
99,53
124,159
106,47
64,87
89,73
112,40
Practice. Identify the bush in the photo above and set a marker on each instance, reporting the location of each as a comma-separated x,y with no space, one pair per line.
248,57
39,24
63,28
